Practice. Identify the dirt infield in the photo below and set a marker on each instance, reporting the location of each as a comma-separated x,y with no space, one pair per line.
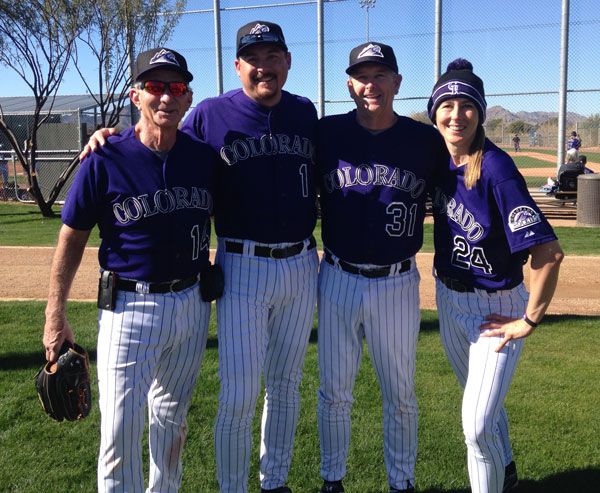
24,273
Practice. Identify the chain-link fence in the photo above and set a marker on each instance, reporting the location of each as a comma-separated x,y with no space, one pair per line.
60,139
515,47
58,143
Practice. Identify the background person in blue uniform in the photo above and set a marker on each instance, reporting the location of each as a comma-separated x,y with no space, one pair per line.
375,168
574,141
486,226
149,190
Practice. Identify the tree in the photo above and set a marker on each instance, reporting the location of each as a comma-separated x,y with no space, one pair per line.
592,121
116,30
493,124
113,31
37,46
39,38
592,125
519,127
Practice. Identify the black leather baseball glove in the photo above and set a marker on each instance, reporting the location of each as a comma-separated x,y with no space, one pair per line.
64,386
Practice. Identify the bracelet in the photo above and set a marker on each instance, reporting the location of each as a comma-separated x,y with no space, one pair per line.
530,322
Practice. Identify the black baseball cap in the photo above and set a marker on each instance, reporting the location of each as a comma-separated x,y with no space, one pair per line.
372,52
259,32
163,58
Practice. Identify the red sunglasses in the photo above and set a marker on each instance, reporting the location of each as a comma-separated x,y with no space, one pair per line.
157,87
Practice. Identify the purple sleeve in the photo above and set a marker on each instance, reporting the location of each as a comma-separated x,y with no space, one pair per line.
192,125
524,224
81,209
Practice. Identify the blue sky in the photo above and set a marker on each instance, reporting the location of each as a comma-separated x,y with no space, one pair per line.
513,45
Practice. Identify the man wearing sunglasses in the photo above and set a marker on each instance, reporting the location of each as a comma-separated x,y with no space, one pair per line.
149,190
264,217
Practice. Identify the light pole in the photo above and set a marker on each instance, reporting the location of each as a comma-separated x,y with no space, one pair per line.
367,4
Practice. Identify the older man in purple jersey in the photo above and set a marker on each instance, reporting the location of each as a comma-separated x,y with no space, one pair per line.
375,168
149,190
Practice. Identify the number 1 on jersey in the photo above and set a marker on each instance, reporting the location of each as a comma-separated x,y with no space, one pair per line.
304,178
200,241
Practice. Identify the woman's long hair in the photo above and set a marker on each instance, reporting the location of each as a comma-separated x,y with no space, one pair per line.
473,168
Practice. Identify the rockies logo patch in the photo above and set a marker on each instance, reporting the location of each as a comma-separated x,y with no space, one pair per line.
259,28
371,50
164,56
522,217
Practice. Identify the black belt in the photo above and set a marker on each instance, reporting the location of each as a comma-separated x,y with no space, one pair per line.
459,287
155,287
456,285
373,273
265,251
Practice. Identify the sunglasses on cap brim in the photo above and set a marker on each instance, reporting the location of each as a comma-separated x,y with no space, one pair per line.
267,37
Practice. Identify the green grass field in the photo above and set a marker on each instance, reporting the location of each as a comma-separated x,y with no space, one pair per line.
553,402
553,409
535,182
530,162
23,225
591,156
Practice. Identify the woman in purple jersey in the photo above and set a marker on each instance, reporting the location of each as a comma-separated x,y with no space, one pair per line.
486,226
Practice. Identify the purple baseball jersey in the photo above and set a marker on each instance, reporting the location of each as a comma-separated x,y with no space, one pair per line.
574,143
373,187
153,214
482,235
265,180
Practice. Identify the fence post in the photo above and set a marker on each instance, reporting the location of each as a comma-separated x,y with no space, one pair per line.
320,59
564,64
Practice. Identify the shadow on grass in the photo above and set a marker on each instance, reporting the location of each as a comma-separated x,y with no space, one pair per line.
559,319
34,360
577,481
20,213
432,324
27,214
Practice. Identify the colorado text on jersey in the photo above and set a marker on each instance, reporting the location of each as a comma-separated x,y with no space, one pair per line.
162,202
457,213
378,174
266,145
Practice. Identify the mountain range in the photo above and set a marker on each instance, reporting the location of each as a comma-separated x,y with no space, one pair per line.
531,117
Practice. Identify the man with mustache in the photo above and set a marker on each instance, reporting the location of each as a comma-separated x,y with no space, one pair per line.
265,212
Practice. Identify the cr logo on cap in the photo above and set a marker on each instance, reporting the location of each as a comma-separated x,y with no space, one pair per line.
164,56
258,29
371,50
453,87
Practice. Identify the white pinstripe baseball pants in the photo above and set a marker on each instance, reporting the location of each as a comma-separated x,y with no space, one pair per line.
484,375
385,311
149,352
264,319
